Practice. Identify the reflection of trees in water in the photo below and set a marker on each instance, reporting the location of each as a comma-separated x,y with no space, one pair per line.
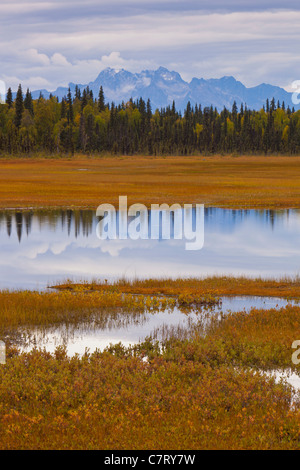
83,222
77,222
233,217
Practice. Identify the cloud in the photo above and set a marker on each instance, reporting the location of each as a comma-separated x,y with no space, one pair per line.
56,42
35,58
60,60
79,71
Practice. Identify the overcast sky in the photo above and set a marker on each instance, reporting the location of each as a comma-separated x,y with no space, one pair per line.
45,44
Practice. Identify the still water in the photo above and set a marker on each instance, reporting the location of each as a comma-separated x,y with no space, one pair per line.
130,330
39,248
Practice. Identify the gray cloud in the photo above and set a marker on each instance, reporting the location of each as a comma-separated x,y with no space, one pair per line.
49,43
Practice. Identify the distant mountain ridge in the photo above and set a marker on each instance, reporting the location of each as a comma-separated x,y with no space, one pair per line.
163,87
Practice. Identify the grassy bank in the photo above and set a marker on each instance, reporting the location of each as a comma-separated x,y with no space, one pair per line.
215,286
236,182
27,309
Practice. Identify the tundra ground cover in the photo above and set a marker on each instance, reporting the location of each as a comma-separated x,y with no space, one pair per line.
214,286
224,181
106,402
149,396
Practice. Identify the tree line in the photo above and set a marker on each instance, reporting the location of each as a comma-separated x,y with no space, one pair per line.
83,123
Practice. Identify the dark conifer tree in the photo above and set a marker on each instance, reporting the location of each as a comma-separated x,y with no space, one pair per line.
77,93
234,108
84,100
272,105
9,98
70,112
101,100
149,110
63,109
19,105
28,103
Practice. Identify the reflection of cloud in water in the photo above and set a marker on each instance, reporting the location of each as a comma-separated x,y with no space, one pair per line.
131,328
126,329
50,247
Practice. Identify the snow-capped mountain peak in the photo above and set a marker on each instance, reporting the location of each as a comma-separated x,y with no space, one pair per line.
162,86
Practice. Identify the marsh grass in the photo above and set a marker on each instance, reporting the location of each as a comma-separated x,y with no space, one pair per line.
259,339
208,289
28,315
23,310
197,388
224,181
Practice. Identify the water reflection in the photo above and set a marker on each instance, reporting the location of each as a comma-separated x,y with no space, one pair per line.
82,222
66,221
41,247
131,328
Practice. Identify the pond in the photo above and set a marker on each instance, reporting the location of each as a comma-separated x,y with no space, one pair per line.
40,248
132,329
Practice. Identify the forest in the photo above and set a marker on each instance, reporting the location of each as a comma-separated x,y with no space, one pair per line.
82,123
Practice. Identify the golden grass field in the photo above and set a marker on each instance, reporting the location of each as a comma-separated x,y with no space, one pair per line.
215,286
235,182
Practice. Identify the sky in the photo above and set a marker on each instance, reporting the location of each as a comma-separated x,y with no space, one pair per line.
46,44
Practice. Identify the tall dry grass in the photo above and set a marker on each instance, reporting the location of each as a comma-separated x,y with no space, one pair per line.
246,181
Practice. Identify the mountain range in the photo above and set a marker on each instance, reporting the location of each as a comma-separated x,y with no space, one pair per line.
162,87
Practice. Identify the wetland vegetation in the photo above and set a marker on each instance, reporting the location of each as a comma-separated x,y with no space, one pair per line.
221,181
156,394
151,395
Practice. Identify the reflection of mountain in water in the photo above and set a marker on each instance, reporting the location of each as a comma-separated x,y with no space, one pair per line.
83,222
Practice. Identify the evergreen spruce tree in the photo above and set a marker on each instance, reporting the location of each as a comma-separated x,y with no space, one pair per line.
19,104
63,109
149,110
28,103
101,100
70,113
84,100
77,92
9,98
173,108
234,108
272,105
